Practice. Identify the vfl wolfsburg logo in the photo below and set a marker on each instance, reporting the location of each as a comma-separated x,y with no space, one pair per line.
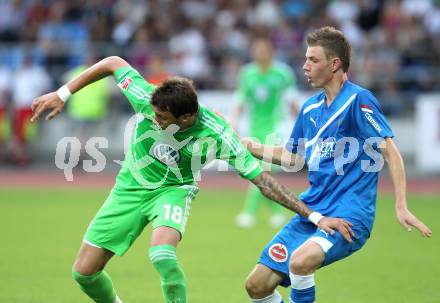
165,153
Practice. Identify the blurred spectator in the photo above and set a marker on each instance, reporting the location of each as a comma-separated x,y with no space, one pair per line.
28,82
391,100
417,8
197,37
62,40
129,15
12,15
343,10
141,49
188,48
5,79
157,71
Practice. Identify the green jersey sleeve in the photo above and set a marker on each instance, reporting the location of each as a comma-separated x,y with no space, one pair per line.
232,151
229,147
135,88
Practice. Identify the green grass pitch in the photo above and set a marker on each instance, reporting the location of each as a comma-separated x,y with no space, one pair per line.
41,230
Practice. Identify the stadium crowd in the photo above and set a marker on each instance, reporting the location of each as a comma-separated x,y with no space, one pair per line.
396,46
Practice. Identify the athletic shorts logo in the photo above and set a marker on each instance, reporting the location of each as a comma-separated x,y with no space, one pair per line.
278,252
124,83
165,153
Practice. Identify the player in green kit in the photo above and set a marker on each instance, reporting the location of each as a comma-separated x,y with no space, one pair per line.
265,87
173,138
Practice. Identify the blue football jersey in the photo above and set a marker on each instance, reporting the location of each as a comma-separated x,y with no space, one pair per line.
340,144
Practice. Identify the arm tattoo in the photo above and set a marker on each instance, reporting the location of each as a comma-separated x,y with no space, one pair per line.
277,192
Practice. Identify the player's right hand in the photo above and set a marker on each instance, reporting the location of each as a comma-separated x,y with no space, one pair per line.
330,224
49,101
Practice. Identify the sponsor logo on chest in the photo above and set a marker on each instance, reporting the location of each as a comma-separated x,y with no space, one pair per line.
165,153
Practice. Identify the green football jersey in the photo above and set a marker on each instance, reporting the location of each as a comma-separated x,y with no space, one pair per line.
263,93
158,158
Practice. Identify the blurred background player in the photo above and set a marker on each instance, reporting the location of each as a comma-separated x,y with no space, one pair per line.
29,81
267,89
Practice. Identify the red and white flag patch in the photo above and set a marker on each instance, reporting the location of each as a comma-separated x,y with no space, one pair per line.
124,83
366,108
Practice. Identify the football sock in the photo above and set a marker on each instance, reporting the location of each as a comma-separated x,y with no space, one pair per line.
303,289
273,298
98,286
172,278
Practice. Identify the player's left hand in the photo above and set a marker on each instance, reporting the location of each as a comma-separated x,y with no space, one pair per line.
49,101
408,220
330,224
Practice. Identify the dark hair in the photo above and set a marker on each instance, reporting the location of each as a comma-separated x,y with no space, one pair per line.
333,42
176,95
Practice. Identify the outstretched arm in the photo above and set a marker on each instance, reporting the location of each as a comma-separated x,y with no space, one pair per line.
277,192
397,171
275,154
53,102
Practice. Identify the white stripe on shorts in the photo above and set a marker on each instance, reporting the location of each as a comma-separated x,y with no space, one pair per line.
91,244
324,243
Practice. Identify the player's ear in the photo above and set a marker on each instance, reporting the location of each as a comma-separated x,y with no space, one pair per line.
336,64
185,117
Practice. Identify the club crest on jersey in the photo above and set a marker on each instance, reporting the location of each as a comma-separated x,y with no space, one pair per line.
124,83
165,153
366,108
278,252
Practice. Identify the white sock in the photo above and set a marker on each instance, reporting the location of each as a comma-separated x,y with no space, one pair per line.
273,298
301,282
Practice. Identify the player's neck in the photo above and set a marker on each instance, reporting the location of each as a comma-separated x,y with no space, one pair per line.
264,66
333,88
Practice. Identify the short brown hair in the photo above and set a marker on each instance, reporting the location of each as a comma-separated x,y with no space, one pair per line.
334,43
176,95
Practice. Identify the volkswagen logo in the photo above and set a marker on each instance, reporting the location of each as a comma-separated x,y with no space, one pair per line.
165,153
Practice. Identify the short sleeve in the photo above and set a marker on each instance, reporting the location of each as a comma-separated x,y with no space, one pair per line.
369,117
137,90
231,150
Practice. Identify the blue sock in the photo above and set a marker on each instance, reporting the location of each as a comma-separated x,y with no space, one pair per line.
302,295
303,288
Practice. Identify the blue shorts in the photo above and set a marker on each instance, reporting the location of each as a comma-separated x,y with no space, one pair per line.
276,255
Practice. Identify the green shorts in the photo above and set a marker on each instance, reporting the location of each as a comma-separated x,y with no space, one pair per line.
125,214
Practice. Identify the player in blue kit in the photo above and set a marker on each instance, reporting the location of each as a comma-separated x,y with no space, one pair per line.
343,136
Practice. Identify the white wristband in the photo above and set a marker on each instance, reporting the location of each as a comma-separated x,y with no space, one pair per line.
314,217
64,93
